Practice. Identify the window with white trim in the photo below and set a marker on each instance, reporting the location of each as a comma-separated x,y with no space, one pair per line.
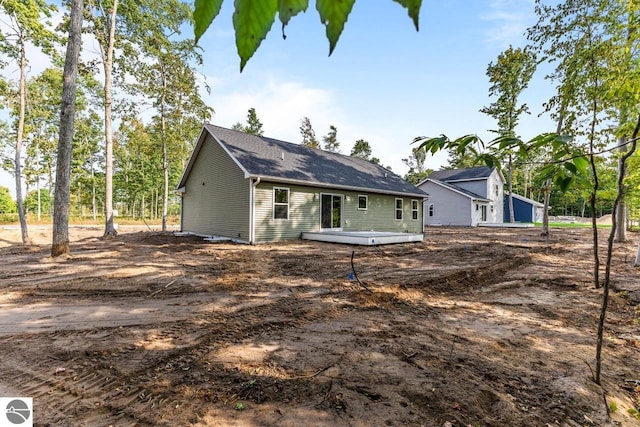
399,209
432,209
280,203
414,210
363,203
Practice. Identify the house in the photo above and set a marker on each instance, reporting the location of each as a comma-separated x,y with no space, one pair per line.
255,189
524,209
464,197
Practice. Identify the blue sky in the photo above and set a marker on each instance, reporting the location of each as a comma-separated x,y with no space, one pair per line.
385,82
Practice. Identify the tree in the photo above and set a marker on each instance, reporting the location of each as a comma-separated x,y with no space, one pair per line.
104,18
252,24
509,76
7,205
361,149
60,244
417,171
254,126
308,134
166,77
25,26
457,160
331,142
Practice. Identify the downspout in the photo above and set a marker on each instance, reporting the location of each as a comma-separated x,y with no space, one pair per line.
252,210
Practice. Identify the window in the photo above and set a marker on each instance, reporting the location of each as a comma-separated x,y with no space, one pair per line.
363,203
280,203
431,209
497,190
414,210
399,209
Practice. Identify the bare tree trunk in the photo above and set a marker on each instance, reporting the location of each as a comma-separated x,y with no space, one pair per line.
165,160
592,200
621,214
60,243
18,168
607,274
512,217
545,208
636,263
109,229
93,193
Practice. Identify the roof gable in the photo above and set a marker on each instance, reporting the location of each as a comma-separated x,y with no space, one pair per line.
457,189
269,158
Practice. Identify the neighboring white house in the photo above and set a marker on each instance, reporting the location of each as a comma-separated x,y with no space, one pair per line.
464,197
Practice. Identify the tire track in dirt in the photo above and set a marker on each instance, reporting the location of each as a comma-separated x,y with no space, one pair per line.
131,396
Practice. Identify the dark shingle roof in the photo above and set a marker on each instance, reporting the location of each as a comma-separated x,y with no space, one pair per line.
270,158
462,174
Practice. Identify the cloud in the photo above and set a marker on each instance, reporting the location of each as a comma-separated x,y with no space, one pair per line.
509,21
280,106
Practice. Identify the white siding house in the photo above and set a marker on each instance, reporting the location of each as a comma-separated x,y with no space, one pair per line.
464,197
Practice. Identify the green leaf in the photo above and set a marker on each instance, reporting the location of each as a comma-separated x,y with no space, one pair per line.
432,145
563,182
581,164
570,167
468,139
413,7
334,14
204,12
252,20
287,9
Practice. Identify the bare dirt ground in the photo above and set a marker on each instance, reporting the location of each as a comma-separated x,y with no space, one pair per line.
472,327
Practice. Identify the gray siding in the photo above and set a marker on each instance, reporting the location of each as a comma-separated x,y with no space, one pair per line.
304,212
450,208
478,187
216,200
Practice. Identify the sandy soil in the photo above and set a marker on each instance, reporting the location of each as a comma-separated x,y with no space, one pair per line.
471,327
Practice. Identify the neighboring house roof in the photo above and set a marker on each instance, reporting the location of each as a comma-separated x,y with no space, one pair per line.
468,174
279,161
525,199
457,189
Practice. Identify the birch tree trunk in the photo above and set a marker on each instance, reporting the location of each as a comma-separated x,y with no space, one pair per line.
165,160
18,166
109,229
60,244
621,212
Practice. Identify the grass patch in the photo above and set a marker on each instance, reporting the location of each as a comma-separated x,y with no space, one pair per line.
561,224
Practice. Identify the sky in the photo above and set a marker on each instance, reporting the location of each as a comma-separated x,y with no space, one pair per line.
385,82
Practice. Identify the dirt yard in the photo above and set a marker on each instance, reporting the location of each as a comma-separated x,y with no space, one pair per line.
472,327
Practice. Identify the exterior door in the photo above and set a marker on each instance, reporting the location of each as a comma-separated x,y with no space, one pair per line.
331,211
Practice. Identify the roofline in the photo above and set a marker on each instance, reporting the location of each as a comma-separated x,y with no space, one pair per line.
525,199
473,179
444,184
338,187
201,139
